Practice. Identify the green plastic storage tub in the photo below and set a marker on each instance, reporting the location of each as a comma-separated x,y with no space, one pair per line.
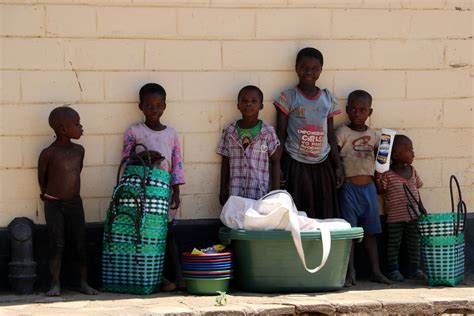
267,261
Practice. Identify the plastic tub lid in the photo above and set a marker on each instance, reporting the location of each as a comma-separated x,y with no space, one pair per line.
226,233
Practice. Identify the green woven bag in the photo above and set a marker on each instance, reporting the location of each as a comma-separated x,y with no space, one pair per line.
135,229
442,239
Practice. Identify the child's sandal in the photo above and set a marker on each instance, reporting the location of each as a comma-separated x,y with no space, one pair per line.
396,276
418,275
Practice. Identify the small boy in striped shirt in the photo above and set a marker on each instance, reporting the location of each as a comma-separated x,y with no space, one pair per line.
399,222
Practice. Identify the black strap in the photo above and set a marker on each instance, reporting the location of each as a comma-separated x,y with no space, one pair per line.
411,197
461,208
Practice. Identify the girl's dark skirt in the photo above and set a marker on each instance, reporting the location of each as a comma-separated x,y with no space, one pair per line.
312,186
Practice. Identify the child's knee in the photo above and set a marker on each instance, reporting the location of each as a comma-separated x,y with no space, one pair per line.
56,248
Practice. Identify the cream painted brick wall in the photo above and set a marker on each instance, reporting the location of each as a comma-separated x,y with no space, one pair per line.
136,22
193,117
107,118
415,58
22,20
440,24
9,86
336,56
95,154
456,83
380,84
19,184
175,55
91,85
458,113
255,56
411,54
429,171
201,178
203,85
71,20
293,23
98,181
32,53
104,54
31,147
25,120
10,152
50,86
406,114
113,149
216,23
20,208
124,86
443,143
462,168
459,53
201,147
199,206
370,24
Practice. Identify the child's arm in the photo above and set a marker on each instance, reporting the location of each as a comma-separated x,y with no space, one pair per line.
43,171
281,131
334,153
276,170
282,125
177,173
225,175
129,140
379,183
175,199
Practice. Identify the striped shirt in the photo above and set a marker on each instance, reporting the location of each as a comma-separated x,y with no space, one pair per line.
249,166
395,199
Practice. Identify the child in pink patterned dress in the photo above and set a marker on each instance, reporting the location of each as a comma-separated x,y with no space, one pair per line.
161,139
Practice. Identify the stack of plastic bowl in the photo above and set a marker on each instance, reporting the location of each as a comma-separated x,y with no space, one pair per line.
205,274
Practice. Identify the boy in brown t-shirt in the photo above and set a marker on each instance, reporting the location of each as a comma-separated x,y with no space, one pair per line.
358,195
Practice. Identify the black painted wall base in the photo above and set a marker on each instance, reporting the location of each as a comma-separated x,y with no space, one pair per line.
189,234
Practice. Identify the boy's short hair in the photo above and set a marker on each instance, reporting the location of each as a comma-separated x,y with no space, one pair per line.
356,94
400,140
250,87
151,88
57,116
309,52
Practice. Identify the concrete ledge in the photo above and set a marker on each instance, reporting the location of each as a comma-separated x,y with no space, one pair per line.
365,298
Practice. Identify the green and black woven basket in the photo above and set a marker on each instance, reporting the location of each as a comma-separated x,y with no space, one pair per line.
442,239
135,229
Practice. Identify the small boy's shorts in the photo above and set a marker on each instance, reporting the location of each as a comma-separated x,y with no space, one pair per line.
359,206
65,220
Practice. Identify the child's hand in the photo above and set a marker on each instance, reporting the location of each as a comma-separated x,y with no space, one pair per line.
339,173
174,201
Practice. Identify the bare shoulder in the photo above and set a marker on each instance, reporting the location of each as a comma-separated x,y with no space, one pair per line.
46,152
78,147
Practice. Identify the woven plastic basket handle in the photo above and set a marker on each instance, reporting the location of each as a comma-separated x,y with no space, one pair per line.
114,213
133,154
410,198
460,207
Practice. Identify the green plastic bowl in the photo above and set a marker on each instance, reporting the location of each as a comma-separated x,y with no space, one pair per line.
207,286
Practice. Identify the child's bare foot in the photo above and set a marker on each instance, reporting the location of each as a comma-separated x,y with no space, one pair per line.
55,290
167,286
86,289
380,278
181,284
